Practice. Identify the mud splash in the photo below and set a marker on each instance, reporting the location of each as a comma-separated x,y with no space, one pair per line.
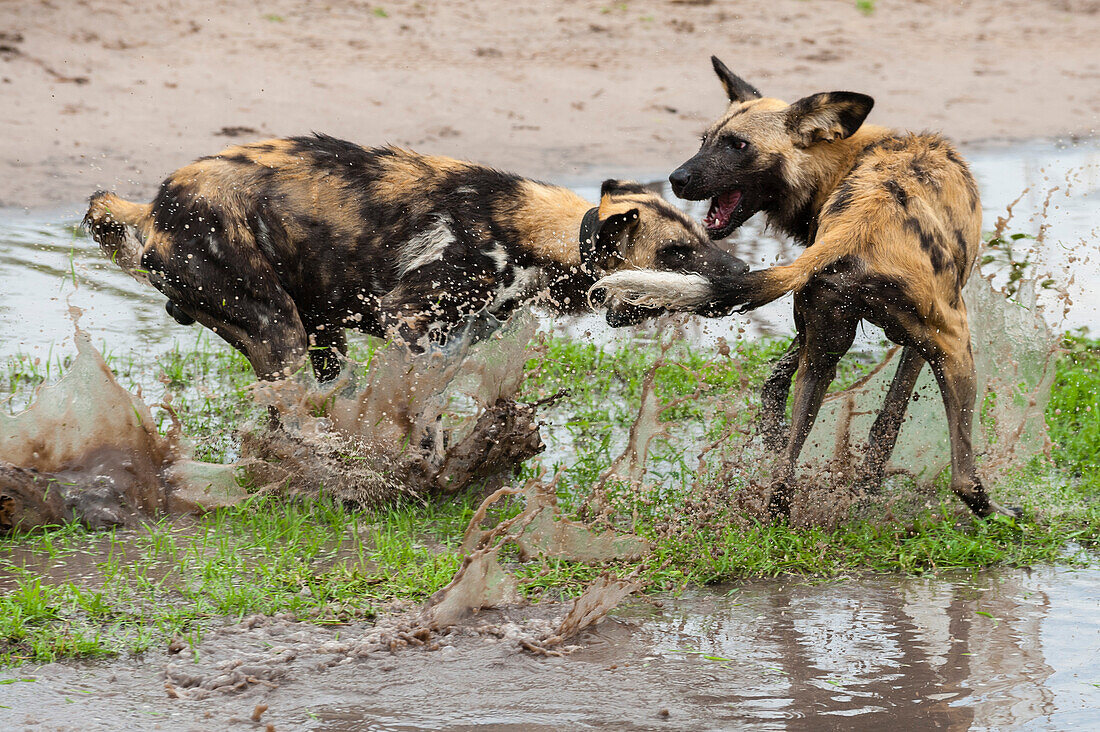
87,450
481,583
538,531
435,423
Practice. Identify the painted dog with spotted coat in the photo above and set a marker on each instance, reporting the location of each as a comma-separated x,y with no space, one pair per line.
278,246
891,223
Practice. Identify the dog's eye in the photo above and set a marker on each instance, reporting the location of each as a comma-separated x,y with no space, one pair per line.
737,144
674,253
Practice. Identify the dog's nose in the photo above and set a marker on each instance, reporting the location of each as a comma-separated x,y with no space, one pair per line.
679,179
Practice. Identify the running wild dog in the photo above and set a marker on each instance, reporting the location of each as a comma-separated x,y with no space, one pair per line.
892,225
278,246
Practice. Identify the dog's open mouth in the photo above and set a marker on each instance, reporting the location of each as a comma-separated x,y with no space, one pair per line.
720,220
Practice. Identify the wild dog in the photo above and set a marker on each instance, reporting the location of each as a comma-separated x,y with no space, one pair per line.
892,225
278,246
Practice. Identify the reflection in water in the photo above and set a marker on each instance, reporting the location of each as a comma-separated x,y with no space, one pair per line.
995,650
39,257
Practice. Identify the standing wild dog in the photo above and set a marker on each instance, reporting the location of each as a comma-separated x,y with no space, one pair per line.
278,246
892,222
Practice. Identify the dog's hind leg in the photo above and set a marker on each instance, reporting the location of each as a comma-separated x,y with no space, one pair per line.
771,425
884,432
826,331
942,338
953,365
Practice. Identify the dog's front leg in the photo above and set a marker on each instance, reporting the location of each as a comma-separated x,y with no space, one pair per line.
772,425
826,331
328,346
426,308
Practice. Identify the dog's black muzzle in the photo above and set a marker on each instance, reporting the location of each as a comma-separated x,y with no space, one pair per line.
687,182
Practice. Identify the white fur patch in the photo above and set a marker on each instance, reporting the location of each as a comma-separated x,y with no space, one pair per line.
263,239
651,288
213,246
526,280
427,246
498,255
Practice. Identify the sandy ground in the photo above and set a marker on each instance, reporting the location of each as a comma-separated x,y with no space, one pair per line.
97,94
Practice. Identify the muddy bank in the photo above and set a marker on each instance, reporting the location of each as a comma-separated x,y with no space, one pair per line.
1005,648
117,94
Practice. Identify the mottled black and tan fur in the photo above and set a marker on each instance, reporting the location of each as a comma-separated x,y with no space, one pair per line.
278,246
892,225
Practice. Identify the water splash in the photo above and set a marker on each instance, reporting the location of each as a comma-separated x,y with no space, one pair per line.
86,449
539,530
435,423
1014,353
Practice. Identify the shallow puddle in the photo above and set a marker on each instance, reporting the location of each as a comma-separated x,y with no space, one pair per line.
1006,648
83,566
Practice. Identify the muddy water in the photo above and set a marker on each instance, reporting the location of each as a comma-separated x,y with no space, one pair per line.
992,650
41,254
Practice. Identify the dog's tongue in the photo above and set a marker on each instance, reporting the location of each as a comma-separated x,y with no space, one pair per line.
721,209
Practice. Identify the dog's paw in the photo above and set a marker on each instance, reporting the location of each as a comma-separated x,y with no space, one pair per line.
999,511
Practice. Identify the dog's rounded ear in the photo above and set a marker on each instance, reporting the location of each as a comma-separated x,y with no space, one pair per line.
613,185
607,239
827,116
737,89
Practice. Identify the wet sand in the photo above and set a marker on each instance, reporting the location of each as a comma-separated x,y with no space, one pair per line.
1009,648
117,94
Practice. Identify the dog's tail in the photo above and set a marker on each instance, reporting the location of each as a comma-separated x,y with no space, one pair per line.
719,295
120,228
